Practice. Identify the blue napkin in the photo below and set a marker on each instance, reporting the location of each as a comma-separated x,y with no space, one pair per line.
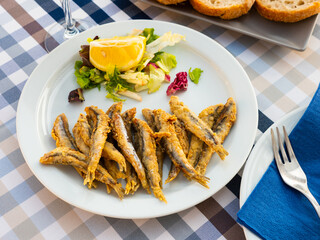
274,210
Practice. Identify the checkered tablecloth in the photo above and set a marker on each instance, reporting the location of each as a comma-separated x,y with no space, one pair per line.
283,80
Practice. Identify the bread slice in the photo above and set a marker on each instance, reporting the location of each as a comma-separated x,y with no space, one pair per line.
225,9
287,10
170,2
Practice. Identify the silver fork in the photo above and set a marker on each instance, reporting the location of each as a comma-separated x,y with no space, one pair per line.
290,170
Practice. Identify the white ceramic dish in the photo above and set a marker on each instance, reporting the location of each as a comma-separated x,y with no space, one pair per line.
252,24
45,96
260,159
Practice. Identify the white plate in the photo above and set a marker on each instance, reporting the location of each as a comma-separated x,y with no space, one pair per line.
45,96
260,159
252,24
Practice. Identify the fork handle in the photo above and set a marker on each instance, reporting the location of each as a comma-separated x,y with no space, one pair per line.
313,201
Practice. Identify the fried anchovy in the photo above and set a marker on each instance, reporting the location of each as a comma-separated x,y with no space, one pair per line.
196,126
127,117
68,156
137,142
173,173
110,153
119,171
226,120
164,122
194,149
148,156
100,121
149,117
132,179
116,107
113,169
86,130
182,135
82,132
221,128
209,115
61,134
121,136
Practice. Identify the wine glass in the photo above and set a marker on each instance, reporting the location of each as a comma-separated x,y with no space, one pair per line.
64,29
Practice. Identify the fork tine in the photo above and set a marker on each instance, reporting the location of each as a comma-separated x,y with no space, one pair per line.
275,149
289,147
292,175
283,152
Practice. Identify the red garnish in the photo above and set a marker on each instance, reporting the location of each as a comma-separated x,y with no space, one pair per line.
179,83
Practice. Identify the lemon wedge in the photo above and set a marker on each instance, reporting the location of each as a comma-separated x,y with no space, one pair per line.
123,53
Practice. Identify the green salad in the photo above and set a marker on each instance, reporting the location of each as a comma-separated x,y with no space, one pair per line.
148,75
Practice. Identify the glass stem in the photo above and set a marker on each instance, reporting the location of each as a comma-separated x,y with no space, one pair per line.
71,29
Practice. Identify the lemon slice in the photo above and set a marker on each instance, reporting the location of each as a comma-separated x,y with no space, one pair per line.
123,53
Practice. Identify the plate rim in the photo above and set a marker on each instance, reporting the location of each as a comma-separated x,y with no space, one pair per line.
22,97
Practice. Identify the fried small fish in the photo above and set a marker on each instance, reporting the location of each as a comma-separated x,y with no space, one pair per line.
183,138
121,136
110,153
182,135
164,122
68,156
226,121
82,134
132,180
116,107
100,123
149,117
173,173
113,169
221,128
208,115
61,134
196,126
127,117
148,156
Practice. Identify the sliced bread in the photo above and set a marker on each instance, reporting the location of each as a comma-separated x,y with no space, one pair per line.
225,9
170,2
287,10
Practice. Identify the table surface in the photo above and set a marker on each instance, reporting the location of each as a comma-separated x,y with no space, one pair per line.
283,79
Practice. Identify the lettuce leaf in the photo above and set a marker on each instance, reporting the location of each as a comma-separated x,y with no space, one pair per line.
115,83
149,34
166,61
86,78
115,97
153,51
96,75
167,39
139,78
157,76
195,75
147,57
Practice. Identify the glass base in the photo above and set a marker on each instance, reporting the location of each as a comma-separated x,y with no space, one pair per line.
57,33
